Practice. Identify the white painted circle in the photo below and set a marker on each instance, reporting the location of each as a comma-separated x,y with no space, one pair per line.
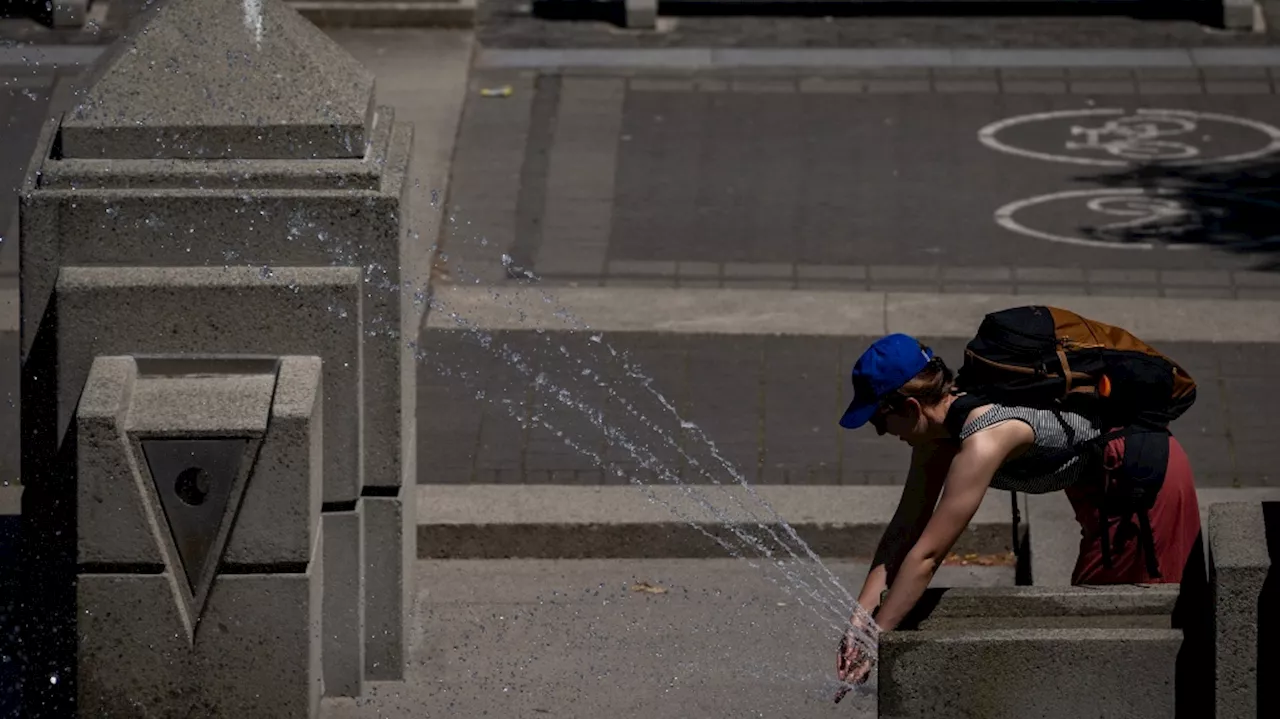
1006,216
1270,141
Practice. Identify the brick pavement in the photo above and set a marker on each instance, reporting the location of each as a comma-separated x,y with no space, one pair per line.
769,403
855,187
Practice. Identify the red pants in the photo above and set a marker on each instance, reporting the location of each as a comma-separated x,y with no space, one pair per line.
1175,522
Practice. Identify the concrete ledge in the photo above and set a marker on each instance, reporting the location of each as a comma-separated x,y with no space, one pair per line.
975,606
835,58
388,14
1049,673
833,313
518,521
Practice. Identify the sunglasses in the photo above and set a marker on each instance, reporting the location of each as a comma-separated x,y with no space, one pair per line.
887,406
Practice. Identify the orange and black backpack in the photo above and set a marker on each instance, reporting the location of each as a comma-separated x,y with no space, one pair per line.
1051,358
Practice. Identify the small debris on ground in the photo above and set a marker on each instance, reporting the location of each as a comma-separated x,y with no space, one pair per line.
501,91
1003,559
648,588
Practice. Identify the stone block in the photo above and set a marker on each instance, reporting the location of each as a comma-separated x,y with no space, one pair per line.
113,523
69,13
1244,538
1033,651
255,652
390,549
1239,14
280,512
343,646
1051,673
264,215
118,311
261,83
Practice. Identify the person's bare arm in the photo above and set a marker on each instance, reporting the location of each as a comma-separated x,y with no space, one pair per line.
919,496
966,483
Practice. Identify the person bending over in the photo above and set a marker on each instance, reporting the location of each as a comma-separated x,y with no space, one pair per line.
903,390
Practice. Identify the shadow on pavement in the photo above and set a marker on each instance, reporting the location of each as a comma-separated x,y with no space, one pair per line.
1233,207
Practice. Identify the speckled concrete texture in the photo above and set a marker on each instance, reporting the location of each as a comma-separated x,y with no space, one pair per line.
113,524
235,310
280,513
389,557
343,645
209,80
163,213
1048,672
1239,564
256,651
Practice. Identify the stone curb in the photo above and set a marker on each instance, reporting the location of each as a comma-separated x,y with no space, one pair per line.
708,58
560,522
831,313
459,14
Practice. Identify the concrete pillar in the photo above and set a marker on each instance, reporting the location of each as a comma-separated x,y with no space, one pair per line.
1243,538
228,186
201,572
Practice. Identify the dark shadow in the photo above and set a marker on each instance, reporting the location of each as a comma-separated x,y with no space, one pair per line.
40,11
1233,207
614,10
1269,618
48,612
1193,614
928,602
10,594
1022,576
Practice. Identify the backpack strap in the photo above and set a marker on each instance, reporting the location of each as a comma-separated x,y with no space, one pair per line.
959,411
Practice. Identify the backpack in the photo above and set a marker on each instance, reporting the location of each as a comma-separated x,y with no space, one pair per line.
1051,358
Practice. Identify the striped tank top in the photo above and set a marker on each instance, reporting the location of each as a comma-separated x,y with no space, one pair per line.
1036,471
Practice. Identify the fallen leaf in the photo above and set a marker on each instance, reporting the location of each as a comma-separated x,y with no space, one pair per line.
648,588
1005,559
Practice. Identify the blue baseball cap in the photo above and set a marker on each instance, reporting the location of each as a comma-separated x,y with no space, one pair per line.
888,363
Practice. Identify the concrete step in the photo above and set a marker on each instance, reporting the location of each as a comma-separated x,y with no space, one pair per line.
388,13
1055,535
613,522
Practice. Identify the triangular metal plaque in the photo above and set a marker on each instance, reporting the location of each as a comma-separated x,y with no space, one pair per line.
199,483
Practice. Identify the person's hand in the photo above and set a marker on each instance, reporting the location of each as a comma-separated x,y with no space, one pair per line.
853,665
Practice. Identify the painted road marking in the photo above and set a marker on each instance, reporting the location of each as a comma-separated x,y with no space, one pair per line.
1165,218
1116,137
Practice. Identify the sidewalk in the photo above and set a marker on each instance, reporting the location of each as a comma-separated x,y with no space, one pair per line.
770,403
899,178
656,639
742,232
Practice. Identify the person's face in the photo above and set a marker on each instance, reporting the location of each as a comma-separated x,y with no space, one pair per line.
903,418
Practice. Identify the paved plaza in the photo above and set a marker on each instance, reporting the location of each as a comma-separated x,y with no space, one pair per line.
737,207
